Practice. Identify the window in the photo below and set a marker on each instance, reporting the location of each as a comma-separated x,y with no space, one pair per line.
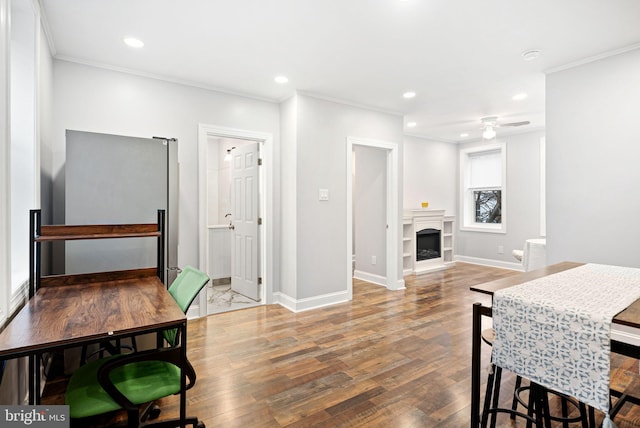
483,184
19,184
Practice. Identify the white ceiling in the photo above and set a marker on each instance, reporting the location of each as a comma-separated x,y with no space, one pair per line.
461,57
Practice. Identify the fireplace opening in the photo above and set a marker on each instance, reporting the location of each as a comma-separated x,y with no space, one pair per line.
427,244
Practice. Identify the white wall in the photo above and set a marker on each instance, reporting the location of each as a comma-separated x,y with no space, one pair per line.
322,129
370,212
289,211
593,158
99,100
430,174
523,204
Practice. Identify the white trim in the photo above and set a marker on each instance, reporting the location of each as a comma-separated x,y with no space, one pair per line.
266,202
370,277
543,186
593,58
344,102
434,139
44,22
160,77
394,222
5,161
490,262
309,303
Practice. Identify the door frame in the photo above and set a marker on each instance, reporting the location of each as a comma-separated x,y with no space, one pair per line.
393,282
265,139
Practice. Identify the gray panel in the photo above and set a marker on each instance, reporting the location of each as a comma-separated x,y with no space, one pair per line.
112,179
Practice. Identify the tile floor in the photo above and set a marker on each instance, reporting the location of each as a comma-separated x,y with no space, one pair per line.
220,297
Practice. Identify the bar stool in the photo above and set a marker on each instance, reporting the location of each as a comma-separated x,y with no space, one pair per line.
537,405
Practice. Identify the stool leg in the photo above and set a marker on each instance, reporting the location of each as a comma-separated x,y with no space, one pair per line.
487,396
583,415
514,403
496,394
565,412
530,405
544,407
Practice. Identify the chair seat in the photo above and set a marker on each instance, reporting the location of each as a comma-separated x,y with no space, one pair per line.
140,382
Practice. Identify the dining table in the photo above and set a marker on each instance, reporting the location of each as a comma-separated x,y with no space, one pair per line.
557,326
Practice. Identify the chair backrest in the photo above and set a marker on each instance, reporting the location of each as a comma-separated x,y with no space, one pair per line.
184,289
187,285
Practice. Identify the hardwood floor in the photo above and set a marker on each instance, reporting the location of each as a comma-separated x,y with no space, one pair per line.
385,359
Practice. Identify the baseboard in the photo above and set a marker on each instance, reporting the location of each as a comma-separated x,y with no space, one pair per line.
430,269
399,285
370,277
378,280
300,305
490,262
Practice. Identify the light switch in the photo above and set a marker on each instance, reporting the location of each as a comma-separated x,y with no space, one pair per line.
323,194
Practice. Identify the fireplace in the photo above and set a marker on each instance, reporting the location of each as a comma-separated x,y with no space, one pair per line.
427,244
427,240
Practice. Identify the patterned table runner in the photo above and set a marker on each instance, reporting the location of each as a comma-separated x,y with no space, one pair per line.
555,330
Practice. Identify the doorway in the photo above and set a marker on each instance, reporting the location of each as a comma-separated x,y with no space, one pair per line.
369,171
391,280
228,228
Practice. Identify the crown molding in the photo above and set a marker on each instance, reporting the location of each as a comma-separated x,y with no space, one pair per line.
160,77
349,103
593,58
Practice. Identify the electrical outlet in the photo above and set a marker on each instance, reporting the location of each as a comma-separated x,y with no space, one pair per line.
500,249
373,260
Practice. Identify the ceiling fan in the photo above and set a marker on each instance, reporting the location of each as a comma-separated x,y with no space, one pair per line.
490,123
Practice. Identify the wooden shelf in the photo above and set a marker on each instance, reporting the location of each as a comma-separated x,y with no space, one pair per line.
48,233
70,233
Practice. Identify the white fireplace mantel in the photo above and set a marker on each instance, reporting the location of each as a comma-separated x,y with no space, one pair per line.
415,220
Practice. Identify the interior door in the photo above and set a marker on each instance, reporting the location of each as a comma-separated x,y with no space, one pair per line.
245,214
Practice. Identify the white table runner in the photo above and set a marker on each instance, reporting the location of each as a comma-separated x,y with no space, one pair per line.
555,330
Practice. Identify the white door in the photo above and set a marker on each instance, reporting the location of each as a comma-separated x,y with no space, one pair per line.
245,214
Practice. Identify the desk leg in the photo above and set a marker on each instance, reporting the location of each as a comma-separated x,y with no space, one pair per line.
31,369
36,372
475,365
33,365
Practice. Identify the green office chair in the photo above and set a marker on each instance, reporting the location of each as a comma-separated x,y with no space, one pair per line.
184,290
130,380
127,382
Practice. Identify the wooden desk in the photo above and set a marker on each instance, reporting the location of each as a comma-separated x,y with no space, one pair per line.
87,309
629,317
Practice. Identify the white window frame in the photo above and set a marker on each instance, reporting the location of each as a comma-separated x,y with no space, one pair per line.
11,301
467,206
5,161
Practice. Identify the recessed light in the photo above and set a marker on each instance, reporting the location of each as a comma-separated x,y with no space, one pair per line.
281,79
133,42
409,94
464,134
531,54
411,124
520,96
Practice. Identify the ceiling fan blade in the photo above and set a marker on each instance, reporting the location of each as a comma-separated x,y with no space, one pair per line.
525,122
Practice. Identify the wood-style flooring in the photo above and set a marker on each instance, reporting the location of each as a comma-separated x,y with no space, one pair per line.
385,359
